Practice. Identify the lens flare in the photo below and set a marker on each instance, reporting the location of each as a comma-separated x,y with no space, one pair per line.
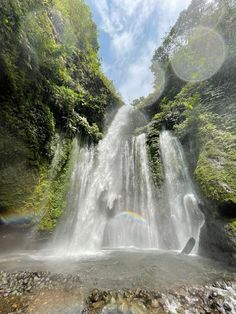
200,55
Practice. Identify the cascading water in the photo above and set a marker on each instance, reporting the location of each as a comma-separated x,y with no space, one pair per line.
111,199
134,222
183,219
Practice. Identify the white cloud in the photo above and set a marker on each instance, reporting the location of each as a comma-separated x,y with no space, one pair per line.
124,19
138,78
127,5
103,10
132,45
123,43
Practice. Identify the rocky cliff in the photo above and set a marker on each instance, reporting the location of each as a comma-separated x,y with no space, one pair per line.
51,90
202,113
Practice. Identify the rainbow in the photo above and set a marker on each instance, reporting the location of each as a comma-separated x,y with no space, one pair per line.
129,215
10,220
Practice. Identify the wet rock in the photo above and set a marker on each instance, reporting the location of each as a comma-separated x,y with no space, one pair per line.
215,298
113,300
98,305
157,295
124,307
161,302
154,303
95,296
227,307
189,246
137,291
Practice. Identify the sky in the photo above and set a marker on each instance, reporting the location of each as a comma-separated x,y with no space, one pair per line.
129,33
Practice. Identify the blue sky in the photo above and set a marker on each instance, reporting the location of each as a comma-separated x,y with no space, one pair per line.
129,32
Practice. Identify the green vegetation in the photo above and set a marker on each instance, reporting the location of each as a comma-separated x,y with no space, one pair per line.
216,163
172,115
50,82
47,201
202,115
154,152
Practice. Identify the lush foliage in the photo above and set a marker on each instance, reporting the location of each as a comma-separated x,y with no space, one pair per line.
50,82
202,115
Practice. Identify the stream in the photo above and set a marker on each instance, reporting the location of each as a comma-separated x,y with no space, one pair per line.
124,268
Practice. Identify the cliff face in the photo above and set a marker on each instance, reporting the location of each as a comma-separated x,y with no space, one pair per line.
51,90
203,115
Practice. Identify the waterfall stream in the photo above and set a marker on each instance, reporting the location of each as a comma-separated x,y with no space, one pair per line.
112,201
184,218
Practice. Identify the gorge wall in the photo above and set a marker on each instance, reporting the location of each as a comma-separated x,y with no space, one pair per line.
51,90
203,115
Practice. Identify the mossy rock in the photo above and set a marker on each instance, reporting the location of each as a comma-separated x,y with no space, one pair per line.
50,81
154,154
215,171
17,176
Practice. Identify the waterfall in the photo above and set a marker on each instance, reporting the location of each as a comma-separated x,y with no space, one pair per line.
111,200
134,221
183,219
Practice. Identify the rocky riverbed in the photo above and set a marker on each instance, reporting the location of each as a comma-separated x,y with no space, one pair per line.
44,292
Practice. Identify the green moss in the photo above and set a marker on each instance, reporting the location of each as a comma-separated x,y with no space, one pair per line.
47,198
17,178
54,203
154,155
215,169
231,229
57,181
50,79
172,114
214,141
233,223
213,136
43,192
